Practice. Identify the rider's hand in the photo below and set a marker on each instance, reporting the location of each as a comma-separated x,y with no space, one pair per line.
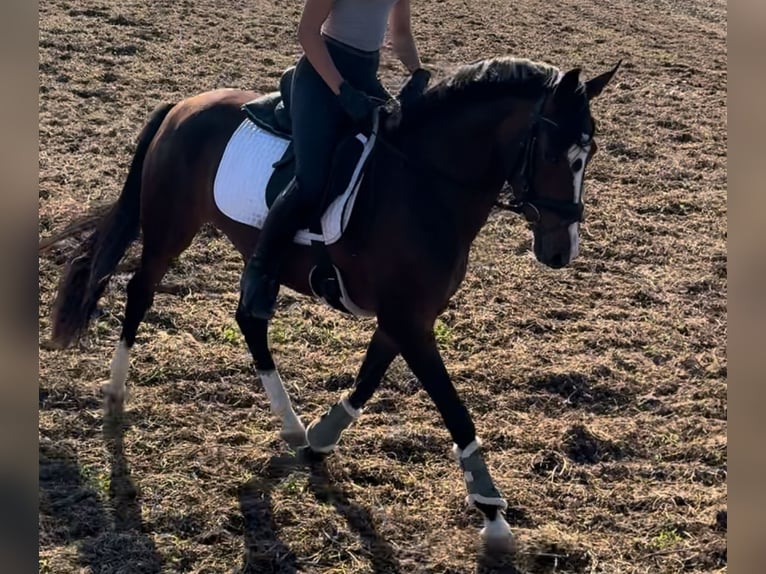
414,87
355,103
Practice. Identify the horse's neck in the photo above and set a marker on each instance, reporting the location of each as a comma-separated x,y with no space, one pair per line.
463,152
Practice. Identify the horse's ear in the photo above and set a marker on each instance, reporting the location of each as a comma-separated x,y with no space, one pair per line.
594,87
568,84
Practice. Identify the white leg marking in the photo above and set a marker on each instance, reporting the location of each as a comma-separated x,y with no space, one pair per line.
293,430
115,390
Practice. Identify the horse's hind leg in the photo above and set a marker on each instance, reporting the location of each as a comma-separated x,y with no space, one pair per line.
140,297
324,433
255,332
157,254
140,290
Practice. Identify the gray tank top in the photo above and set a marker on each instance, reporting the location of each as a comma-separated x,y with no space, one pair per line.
358,23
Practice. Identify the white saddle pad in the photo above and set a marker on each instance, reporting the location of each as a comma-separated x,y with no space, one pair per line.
245,169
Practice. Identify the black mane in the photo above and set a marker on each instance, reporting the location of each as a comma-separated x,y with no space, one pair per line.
479,82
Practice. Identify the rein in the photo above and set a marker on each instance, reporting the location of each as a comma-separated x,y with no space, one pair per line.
424,169
520,203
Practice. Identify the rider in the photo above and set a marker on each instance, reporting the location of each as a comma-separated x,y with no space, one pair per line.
331,90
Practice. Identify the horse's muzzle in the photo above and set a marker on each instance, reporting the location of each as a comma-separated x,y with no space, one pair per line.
557,261
554,250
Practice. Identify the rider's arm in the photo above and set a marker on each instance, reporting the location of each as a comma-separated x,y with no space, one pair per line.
315,12
401,35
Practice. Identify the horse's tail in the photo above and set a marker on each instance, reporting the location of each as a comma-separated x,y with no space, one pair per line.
93,262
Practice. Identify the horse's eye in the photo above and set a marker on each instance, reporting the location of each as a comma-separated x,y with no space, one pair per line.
551,157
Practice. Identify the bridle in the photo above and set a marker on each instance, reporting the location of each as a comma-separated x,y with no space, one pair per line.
525,200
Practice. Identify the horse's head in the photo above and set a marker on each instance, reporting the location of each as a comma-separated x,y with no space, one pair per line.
547,178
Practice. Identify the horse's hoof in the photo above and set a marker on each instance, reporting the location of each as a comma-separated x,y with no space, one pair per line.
295,439
497,537
306,455
500,545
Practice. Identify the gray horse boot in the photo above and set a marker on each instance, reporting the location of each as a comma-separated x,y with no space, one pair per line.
323,434
481,489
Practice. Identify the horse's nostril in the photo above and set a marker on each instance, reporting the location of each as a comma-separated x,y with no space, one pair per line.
557,261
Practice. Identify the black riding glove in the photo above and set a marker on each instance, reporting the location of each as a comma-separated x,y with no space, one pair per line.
355,103
415,86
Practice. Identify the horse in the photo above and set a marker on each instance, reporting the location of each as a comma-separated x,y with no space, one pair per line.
495,127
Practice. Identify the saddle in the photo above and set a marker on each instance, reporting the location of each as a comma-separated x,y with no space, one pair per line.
271,113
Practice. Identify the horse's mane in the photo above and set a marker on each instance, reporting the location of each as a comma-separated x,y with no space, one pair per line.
478,82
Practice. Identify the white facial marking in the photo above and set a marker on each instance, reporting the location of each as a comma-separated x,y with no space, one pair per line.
577,156
574,240
574,154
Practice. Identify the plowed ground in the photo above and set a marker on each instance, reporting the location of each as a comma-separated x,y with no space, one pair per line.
599,390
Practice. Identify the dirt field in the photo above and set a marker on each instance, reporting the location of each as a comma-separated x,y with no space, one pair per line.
599,390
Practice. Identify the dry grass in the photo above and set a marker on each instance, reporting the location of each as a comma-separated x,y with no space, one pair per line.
599,390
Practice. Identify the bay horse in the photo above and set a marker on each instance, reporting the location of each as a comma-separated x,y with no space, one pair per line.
439,168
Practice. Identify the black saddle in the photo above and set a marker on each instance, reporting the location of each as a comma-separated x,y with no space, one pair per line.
272,111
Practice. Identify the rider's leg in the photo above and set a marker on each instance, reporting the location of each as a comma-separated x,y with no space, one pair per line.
316,122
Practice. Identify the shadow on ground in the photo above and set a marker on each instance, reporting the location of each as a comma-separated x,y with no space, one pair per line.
103,521
266,553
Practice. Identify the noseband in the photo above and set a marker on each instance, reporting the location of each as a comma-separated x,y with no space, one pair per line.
525,200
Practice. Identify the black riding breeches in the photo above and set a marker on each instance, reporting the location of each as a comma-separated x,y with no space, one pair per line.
319,121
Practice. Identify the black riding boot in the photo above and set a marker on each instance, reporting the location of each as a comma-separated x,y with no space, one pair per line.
260,281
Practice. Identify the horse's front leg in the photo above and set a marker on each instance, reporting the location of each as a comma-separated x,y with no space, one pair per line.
419,350
255,332
324,433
